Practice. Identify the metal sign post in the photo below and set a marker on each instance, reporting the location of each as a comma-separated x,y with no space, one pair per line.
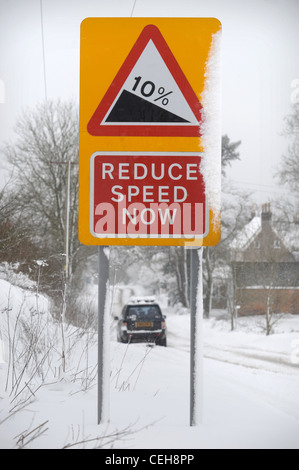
103,336
196,347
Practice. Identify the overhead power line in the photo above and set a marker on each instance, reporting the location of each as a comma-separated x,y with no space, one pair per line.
43,49
135,1
257,186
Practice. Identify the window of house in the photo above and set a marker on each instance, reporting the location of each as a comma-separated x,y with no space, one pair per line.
277,244
257,244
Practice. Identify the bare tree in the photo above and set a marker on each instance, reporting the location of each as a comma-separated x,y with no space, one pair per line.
289,169
213,256
178,265
14,240
47,140
234,214
45,147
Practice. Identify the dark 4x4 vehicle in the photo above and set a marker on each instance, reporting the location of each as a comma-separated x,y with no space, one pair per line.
142,320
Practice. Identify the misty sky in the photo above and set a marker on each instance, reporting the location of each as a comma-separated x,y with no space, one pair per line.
260,61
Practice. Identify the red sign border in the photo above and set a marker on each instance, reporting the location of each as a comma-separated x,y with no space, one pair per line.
95,127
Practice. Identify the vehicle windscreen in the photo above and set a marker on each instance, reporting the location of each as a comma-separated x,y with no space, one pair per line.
142,312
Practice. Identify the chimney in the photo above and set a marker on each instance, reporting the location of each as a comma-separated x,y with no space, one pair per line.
253,211
266,213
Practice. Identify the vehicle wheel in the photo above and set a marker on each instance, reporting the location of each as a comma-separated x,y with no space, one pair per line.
121,340
162,342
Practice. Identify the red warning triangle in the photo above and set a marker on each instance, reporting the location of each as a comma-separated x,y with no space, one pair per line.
150,95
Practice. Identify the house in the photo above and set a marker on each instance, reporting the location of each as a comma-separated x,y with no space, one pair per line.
265,266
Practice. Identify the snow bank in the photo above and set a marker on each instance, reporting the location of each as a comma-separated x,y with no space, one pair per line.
9,273
19,307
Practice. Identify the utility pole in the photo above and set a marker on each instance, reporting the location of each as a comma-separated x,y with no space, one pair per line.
67,221
66,268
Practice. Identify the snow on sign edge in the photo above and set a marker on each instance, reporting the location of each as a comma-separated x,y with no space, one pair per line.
211,138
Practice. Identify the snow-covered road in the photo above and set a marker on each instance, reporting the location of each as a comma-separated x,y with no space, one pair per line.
233,348
251,388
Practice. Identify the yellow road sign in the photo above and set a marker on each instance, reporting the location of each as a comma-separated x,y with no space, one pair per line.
150,140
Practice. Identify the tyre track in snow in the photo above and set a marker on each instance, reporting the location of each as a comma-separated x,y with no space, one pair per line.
250,358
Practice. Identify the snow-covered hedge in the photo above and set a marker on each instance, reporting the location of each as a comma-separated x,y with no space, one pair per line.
9,272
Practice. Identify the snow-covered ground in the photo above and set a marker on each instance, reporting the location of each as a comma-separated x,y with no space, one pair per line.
250,398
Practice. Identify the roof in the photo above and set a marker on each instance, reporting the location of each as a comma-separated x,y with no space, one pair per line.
247,234
141,300
244,238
